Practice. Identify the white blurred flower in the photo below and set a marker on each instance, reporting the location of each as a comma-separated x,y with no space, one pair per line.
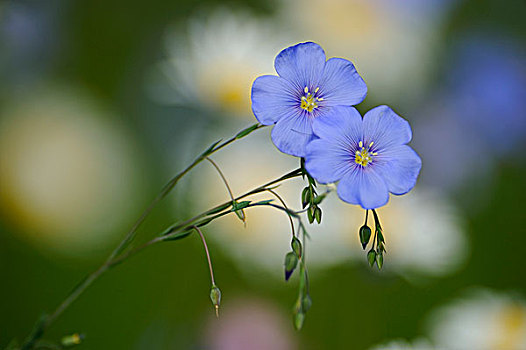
66,173
401,344
481,320
422,230
392,43
213,62
250,325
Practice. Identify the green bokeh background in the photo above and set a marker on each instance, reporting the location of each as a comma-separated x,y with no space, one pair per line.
159,299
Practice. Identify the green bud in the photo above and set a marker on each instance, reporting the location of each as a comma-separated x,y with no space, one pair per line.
310,214
305,197
319,198
296,247
291,261
371,257
306,303
381,247
299,318
317,214
71,340
215,297
380,260
365,235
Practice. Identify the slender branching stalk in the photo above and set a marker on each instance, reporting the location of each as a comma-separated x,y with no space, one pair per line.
176,231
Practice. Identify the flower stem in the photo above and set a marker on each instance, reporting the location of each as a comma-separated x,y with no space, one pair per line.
115,259
207,255
80,288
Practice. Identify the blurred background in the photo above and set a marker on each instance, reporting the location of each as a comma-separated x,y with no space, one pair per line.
102,102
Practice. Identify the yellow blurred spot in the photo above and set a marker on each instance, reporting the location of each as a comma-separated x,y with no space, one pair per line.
512,326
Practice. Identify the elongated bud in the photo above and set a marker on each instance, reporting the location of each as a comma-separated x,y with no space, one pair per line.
317,214
306,303
296,247
310,214
291,261
371,257
365,235
299,318
215,297
380,260
305,197
71,340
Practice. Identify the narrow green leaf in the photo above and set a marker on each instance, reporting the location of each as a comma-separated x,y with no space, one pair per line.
265,202
210,149
319,199
247,131
179,235
218,209
240,205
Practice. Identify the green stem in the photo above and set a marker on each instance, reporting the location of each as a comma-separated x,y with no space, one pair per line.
79,289
120,258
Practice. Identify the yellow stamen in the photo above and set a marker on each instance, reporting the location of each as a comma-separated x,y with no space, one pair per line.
309,102
363,156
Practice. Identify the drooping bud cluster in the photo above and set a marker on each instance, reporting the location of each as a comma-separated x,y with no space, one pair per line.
376,253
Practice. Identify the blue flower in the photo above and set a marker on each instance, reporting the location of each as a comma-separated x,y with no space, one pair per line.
307,88
368,156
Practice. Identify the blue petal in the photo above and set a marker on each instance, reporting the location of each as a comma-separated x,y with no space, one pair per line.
272,99
341,124
383,126
327,161
341,84
330,157
363,186
399,166
301,64
292,133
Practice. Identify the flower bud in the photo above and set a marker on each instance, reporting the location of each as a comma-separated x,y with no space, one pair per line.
365,235
317,214
379,260
291,261
306,303
215,297
296,247
371,257
305,197
299,318
310,214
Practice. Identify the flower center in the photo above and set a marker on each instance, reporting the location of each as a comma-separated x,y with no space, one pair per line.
309,101
364,155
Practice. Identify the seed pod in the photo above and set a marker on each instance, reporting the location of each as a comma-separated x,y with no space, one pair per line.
215,297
